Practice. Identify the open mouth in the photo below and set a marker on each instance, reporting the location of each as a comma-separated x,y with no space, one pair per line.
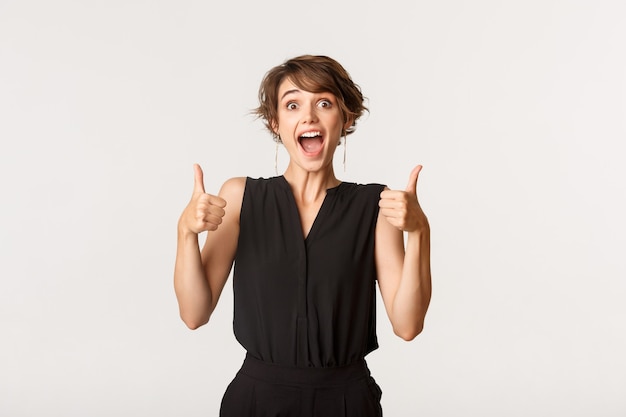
311,142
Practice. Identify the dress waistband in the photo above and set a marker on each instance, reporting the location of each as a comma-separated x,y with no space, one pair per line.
280,374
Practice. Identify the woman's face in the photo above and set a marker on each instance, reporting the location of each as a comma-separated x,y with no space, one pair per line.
309,125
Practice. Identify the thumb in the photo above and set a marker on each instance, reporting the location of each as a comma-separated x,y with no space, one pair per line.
198,182
411,187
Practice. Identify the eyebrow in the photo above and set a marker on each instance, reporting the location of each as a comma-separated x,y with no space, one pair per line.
295,90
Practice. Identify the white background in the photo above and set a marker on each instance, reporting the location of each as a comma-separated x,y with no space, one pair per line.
517,110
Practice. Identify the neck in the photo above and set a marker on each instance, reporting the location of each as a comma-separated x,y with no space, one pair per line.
309,186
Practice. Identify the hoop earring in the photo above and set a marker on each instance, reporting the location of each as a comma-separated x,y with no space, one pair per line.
345,147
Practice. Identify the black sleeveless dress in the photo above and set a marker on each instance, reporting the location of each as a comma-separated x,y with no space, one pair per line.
306,303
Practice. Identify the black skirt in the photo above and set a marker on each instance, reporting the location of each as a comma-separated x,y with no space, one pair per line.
261,389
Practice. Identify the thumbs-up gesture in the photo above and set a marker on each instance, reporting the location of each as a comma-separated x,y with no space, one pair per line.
205,211
401,208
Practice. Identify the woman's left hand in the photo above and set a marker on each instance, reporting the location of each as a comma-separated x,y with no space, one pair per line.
401,208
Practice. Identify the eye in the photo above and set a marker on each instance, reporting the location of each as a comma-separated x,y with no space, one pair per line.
291,106
325,103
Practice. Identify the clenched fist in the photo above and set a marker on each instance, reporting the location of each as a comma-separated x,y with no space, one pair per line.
205,211
401,208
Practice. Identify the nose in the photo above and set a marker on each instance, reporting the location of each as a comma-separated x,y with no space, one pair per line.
309,114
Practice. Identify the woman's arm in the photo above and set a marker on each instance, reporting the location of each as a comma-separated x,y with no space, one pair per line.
404,276
200,276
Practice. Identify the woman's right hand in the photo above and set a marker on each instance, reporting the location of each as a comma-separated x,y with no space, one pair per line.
204,212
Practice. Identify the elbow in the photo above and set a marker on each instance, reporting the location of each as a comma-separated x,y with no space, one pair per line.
409,333
194,323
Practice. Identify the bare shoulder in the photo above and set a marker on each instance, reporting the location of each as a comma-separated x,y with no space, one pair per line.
389,258
387,235
389,242
232,191
233,186
384,229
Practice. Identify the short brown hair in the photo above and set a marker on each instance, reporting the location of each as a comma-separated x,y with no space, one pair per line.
316,74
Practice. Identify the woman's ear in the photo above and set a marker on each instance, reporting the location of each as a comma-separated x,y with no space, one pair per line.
274,127
348,124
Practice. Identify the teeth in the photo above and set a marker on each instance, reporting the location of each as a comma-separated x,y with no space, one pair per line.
310,134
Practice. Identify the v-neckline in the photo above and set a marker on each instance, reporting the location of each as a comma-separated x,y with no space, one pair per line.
320,211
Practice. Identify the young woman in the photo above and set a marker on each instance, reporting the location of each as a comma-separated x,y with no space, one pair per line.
307,250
